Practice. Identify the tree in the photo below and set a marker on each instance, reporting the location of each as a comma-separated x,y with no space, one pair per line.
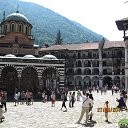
46,45
58,39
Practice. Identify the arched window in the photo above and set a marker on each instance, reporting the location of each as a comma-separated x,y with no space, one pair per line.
20,27
26,30
5,28
12,27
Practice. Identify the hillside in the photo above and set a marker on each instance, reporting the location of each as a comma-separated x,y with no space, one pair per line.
47,23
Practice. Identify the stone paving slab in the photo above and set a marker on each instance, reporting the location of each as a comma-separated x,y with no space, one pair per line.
42,115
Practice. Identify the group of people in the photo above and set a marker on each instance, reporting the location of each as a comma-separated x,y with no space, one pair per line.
72,97
23,97
87,105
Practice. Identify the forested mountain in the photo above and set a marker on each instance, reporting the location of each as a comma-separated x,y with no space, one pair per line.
46,23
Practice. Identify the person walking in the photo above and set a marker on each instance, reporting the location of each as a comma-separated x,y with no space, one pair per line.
4,100
64,99
70,99
85,107
53,97
106,110
73,99
90,108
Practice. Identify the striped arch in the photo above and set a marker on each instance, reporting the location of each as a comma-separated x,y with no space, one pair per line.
29,79
50,67
8,65
9,78
30,66
51,78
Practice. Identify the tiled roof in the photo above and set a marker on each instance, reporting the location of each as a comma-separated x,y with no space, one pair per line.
54,47
112,44
82,46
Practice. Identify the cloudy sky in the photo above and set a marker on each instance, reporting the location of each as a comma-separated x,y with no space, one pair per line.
97,15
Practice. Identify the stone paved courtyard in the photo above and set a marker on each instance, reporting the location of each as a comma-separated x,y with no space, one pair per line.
42,115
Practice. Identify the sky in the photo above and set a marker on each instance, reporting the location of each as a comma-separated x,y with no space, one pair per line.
97,15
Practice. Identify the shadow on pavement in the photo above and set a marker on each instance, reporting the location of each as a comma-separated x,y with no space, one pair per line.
90,124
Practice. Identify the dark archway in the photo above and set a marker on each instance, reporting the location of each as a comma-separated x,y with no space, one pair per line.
50,78
107,81
29,80
9,80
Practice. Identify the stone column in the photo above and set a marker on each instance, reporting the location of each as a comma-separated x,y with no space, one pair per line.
126,65
100,69
19,77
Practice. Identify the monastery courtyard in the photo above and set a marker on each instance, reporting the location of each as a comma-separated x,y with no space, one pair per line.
42,115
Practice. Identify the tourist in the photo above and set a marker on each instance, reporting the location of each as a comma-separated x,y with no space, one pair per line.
73,99
53,97
1,113
78,95
64,99
70,99
124,94
43,96
22,97
90,108
87,102
4,100
16,99
106,110
121,103
31,98
28,97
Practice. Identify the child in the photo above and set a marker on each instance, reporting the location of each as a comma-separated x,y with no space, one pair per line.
53,97
16,99
1,113
106,110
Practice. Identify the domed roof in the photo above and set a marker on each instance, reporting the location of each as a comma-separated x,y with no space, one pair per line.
16,17
10,56
29,56
49,57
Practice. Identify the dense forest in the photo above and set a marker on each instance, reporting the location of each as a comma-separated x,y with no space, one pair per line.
46,24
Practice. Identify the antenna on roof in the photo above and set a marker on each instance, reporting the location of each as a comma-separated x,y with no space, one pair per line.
3,16
17,9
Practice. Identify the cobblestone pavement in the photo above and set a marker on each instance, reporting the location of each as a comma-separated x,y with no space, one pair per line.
42,115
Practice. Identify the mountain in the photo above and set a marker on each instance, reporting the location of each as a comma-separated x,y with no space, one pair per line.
46,23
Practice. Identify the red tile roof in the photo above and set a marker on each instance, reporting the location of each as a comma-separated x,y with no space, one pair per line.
84,46
112,44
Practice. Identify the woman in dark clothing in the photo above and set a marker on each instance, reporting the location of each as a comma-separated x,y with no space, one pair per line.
64,99
90,108
73,99
121,104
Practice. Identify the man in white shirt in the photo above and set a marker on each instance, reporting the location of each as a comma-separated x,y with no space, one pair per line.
87,102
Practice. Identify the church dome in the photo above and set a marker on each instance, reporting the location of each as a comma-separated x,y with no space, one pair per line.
16,17
49,57
10,56
29,56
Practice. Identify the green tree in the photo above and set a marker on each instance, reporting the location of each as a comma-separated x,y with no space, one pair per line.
58,39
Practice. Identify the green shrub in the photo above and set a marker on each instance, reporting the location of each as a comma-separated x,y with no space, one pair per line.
123,123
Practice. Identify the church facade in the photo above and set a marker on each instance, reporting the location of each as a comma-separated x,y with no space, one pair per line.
21,67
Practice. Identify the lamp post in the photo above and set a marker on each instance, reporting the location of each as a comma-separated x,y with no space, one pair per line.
122,25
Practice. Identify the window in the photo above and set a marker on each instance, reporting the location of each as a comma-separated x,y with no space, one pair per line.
12,27
20,27
26,30
5,28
